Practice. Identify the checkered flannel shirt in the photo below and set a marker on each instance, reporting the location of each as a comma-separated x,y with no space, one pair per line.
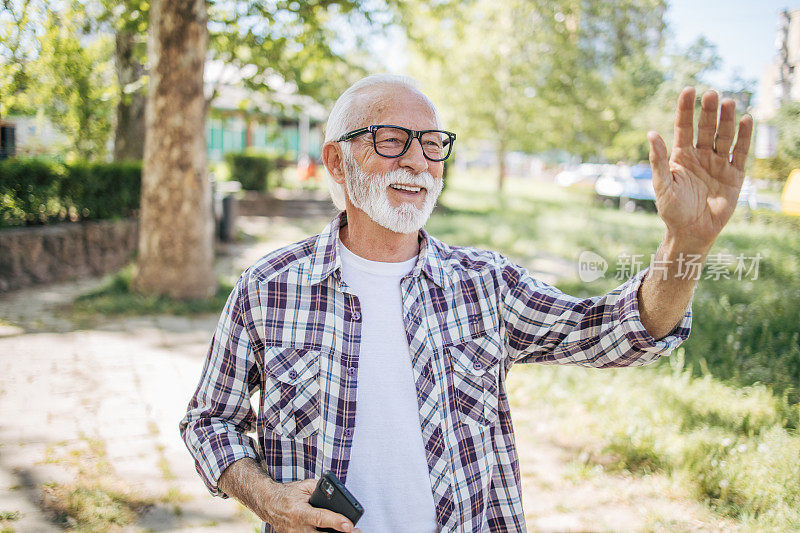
291,329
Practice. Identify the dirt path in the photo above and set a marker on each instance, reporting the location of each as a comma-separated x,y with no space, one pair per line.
97,409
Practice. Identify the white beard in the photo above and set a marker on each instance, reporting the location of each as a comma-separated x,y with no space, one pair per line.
368,192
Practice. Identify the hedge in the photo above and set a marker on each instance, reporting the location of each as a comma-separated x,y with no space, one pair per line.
253,170
37,191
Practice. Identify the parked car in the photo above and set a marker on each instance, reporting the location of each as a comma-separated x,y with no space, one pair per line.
585,174
629,188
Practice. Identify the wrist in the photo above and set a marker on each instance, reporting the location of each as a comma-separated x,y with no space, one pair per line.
674,246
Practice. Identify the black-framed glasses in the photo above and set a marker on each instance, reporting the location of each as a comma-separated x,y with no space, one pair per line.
394,141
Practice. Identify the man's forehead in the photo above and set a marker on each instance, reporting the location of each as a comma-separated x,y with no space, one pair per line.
382,103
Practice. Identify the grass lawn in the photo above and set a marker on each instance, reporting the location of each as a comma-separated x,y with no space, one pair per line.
721,414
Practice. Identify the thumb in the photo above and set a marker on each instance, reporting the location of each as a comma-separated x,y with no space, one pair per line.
307,486
659,160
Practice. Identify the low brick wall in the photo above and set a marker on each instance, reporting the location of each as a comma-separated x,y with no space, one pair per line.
290,204
46,254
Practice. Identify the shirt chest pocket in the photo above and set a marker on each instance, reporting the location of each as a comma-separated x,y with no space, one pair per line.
474,395
291,401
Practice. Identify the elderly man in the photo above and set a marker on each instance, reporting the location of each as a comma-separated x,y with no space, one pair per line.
382,353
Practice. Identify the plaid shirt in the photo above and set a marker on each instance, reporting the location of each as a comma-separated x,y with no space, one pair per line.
291,329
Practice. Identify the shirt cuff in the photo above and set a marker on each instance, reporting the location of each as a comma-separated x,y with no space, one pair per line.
627,311
216,452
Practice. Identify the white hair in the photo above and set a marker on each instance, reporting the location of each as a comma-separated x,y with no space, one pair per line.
346,116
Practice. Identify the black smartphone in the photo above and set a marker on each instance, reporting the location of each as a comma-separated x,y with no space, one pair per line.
331,494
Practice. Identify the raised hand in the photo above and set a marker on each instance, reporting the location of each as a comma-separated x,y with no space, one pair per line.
698,186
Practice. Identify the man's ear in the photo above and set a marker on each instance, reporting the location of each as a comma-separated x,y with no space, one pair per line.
333,159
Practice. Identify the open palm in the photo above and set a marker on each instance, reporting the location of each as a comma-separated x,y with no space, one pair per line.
698,186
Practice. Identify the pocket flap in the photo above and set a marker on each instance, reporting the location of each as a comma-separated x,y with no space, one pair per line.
476,355
291,365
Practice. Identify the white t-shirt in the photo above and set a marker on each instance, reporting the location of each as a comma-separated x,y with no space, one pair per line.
388,472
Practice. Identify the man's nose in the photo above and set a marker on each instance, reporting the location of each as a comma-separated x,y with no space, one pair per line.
414,158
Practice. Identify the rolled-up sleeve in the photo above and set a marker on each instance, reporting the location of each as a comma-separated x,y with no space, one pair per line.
219,414
544,325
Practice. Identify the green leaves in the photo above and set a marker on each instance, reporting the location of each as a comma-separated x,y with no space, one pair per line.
299,41
587,77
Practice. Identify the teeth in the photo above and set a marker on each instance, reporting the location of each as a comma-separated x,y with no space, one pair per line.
405,188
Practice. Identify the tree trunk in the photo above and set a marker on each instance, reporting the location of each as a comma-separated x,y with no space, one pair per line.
175,231
501,166
129,132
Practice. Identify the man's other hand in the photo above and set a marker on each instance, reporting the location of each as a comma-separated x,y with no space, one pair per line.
289,510
284,506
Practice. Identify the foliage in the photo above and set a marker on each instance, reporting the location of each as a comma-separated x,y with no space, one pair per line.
294,40
62,70
589,78
37,191
116,298
787,158
102,190
73,84
29,191
656,111
58,56
18,39
253,170
538,75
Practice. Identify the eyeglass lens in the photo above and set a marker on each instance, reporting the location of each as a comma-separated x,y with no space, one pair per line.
391,142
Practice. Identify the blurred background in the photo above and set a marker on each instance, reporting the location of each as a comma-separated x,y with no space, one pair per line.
149,152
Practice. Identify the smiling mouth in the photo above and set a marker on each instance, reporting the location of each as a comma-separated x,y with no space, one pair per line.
406,188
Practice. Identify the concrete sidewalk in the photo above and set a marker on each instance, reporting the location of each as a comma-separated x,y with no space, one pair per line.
113,395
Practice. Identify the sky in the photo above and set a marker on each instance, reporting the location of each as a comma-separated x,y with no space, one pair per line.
743,30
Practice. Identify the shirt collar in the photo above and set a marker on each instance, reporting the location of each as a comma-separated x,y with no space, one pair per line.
325,259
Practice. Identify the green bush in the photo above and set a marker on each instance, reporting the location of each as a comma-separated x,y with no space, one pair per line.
37,191
29,191
252,170
102,190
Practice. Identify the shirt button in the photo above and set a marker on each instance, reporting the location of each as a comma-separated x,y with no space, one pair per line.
348,433
356,316
477,365
351,371
292,374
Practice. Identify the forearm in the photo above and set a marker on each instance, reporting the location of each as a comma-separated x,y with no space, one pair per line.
666,290
249,483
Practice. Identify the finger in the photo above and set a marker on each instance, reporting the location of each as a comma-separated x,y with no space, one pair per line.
742,146
307,486
659,161
726,127
684,119
325,518
707,126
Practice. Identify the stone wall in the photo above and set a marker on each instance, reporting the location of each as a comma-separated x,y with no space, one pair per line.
291,204
46,254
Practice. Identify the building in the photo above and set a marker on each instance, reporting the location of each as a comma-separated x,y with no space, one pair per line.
32,136
240,119
780,82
